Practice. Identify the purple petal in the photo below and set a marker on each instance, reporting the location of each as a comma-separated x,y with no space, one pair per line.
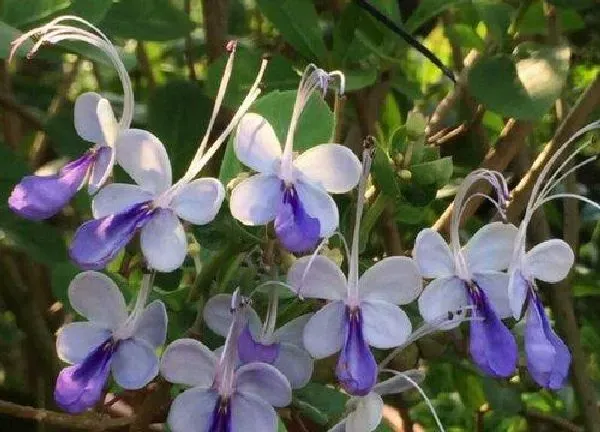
79,387
40,197
548,358
221,417
98,241
297,231
251,351
356,368
493,346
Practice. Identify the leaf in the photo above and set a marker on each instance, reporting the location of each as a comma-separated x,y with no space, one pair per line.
279,75
465,36
93,11
436,172
19,13
534,21
315,126
427,10
61,276
497,17
502,398
152,20
178,114
524,89
9,34
574,4
320,402
385,174
298,23
469,388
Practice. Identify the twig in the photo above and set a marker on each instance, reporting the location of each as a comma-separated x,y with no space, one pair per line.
215,14
28,116
189,44
11,124
88,422
155,403
144,62
558,422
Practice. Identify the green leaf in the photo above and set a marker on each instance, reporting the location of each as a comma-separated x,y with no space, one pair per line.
298,22
61,276
469,388
427,10
93,11
501,397
19,13
573,4
279,75
153,20
320,402
534,21
496,15
9,34
465,36
315,126
525,88
436,172
178,114
385,176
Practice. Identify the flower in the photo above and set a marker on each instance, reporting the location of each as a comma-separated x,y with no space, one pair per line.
40,197
282,348
109,341
223,397
471,275
548,358
362,312
154,206
292,192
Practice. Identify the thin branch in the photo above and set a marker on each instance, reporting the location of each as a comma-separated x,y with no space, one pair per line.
89,422
156,403
215,14
145,66
22,111
558,422
189,44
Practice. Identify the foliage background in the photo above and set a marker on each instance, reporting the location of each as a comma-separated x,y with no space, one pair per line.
528,76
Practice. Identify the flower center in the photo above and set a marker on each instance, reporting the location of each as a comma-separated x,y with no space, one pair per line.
221,416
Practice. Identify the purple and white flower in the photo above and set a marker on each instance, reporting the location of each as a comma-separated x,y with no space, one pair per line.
154,206
471,275
40,197
294,192
110,341
548,358
282,347
223,397
362,312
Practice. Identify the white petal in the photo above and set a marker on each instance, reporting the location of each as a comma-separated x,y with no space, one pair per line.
76,340
394,279
441,296
432,255
324,332
96,297
256,144
398,384
117,197
188,362
332,166
101,169
145,159
249,413
491,247
323,279
292,331
264,381
295,363
495,286
549,261
134,364
163,241
94,119
385,325
367,415
199,201
255,200
152,326
192,410
517,292
318,204
218,317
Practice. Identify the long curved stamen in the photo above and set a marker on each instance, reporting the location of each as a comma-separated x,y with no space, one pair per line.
353,298
55,32
271,318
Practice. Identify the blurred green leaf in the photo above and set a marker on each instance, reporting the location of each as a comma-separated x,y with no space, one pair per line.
436,172
501,397
178,114
497,17
92,10
427,10
319,402
9,34
534,21
152,20
522,88
469,388
19,13
298,22
465,36
315,126
61,276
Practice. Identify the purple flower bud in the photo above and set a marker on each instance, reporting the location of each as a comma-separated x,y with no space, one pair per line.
79,387
297,231
251,351
356,368
41,197
548,358
492,345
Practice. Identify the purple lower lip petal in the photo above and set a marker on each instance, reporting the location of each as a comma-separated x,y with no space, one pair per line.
98,241
41,197
251,351
492,346
80,386
356,368
221,417
297,231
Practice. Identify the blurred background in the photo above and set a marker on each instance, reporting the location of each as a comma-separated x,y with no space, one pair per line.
527,78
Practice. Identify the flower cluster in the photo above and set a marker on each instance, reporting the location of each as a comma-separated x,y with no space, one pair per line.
237,386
